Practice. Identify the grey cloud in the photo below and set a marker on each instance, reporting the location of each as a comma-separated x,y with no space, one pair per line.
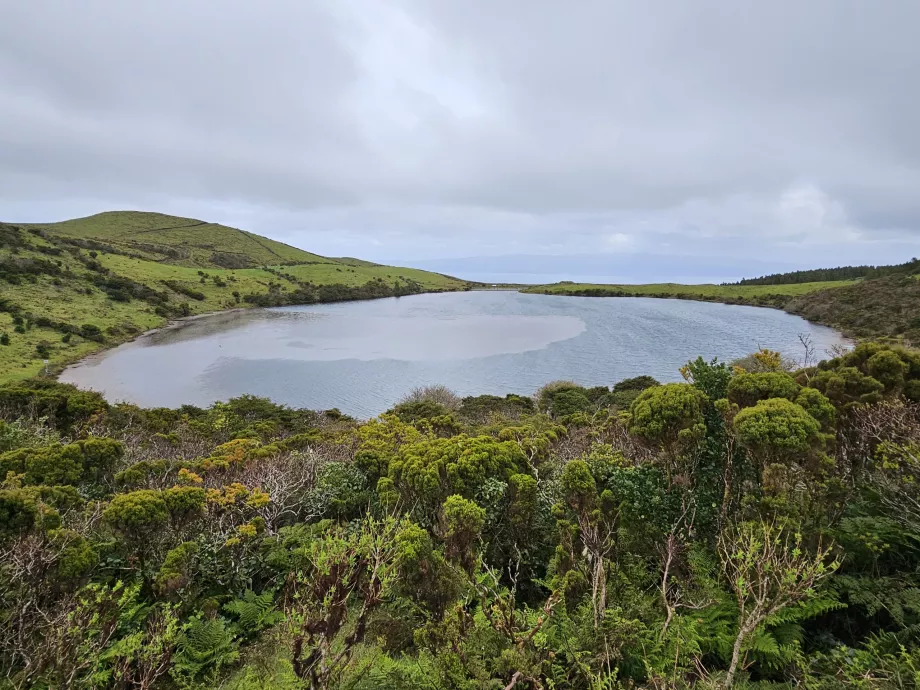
421,129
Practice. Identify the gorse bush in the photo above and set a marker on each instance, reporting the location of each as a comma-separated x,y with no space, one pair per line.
751,527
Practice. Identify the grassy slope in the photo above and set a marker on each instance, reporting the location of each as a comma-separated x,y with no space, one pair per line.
887,306
197,240
64,298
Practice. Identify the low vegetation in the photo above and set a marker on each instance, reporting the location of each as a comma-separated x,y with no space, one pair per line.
72,288
751,527
888,307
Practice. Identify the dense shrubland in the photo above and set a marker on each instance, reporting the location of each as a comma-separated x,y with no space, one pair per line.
750,527
886,307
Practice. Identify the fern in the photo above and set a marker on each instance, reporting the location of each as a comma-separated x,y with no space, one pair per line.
203,648
254,612
882,594
825,602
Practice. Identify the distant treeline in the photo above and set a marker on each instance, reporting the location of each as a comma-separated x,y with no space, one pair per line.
826,274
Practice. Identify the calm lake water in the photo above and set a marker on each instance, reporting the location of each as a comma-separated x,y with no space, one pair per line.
361,357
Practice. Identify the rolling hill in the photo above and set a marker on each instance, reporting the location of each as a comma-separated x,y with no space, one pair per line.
68,289
179,241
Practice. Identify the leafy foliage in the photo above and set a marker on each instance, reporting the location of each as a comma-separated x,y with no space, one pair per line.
742,529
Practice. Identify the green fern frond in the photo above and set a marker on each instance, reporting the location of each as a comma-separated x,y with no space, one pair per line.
254,612
203,648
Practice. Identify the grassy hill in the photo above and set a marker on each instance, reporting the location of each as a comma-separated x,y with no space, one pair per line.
180,241
70,288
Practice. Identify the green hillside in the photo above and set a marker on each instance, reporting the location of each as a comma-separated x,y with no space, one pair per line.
68,289
884,307
181,241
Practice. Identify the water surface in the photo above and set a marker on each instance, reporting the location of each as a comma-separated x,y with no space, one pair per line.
361,357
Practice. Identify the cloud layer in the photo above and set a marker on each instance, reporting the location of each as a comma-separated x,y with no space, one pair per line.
421,129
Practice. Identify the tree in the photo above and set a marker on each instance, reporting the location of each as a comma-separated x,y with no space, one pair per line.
19,512
137,514
462,525
888,368
345,575
746,390
569,401
50,465
816,404
425,473
636,383
710,377
670,417
768,568
777,429
597,519
423,574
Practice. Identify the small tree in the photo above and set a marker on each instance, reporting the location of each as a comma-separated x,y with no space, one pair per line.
462,525
597,518
670,417
710,377
747,389
345,576
777,429
768,570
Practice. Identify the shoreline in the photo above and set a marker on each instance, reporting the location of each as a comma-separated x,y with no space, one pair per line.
768,301
54,371
164,371
775,301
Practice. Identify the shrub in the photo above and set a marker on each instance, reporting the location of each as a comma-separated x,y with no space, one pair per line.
546,394
747,389
569,401
777,428
670,416
437,393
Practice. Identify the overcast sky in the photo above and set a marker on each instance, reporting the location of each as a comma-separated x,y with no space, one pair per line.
780,131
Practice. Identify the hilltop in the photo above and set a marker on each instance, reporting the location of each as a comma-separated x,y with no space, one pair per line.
178,241
77,286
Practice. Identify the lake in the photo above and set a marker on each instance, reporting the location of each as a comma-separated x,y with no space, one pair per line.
361,357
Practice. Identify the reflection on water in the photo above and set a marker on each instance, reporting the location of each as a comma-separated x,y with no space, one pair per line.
363,356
